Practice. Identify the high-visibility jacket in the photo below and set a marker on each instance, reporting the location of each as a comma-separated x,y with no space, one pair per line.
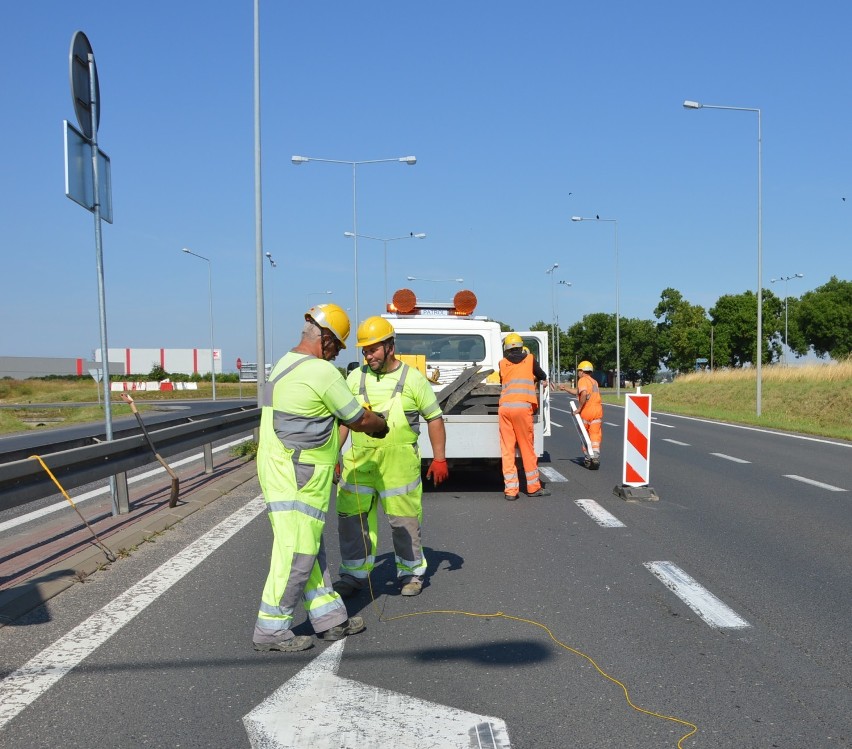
518,382
387,470
299,442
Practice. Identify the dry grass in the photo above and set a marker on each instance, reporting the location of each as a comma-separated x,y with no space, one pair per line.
813,399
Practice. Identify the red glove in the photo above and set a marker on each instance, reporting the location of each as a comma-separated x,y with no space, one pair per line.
438,471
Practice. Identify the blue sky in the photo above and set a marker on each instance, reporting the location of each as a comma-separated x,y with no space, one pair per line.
520,116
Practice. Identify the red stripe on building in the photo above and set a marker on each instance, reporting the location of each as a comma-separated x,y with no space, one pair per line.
127,369
79,367
195,361
163,358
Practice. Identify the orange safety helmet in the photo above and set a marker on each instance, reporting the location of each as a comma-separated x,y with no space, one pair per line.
374,330
331,317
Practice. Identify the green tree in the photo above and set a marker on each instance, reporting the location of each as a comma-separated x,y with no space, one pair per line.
592,338
824,317
683,333
640,355
734,318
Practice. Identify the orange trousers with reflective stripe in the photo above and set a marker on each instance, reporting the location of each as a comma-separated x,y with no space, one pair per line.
516,429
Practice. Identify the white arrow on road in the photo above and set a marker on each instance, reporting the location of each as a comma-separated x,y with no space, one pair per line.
318,709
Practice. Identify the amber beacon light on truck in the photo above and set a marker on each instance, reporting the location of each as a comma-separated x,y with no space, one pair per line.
405,302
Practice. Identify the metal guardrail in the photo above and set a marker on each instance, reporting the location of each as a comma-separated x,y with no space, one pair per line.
24,481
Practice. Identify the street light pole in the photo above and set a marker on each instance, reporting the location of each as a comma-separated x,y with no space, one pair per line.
385,240
614,222
551,272
410,160
559,337
210,294
272,306
696,105
785,279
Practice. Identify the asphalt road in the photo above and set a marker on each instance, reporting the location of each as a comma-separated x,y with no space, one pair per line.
770,550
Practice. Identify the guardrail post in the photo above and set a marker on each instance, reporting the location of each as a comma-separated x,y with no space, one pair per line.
120,494
208,458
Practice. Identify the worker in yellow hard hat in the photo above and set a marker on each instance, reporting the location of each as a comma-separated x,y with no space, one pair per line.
519,374
303,402
387,471
590,408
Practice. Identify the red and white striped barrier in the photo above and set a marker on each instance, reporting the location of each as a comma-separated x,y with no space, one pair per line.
636,470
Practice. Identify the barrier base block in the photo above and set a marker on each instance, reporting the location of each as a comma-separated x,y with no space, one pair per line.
636,493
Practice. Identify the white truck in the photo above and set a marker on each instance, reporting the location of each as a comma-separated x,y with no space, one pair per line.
460,353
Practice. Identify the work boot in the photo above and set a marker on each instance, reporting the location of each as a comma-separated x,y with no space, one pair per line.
346,586
540,493
587,463
511,497
596,463
352,626
412,586
289,645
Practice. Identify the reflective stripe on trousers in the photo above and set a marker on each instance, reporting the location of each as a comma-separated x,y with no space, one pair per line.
298,570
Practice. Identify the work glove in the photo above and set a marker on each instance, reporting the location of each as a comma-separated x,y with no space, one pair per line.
383,432
438,471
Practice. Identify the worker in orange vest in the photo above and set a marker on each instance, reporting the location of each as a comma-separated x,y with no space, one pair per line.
591,410
519,374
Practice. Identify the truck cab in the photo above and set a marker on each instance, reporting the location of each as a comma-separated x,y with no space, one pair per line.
459,353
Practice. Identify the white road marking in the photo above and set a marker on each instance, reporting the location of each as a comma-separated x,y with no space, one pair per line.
553,423
23,686
666,426
730,457
36,514
814,483
609,423
598,514
551,473
675,442
758,429
699,599
319,709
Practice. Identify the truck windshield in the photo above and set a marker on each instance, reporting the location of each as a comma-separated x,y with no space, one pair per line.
456,347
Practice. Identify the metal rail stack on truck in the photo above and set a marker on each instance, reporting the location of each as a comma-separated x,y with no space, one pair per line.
459,353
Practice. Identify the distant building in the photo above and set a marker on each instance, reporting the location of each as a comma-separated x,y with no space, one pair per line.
186,361
122,361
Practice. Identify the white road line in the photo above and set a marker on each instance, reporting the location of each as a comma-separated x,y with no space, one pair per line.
730,457
676,442
553,423
551,473
814,483
34,678
609,423
36,514
598,513
699,599
665,426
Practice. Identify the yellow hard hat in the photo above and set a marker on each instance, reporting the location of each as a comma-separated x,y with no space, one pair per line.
331,317
586,366
513,340
374,330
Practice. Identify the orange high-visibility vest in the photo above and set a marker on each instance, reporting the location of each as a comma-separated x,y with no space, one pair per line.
518,382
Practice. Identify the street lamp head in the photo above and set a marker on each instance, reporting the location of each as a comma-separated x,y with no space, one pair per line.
186,249
269,255
348,234
800,275
299,159
410,160
420,235
564,283
576,218
692,105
